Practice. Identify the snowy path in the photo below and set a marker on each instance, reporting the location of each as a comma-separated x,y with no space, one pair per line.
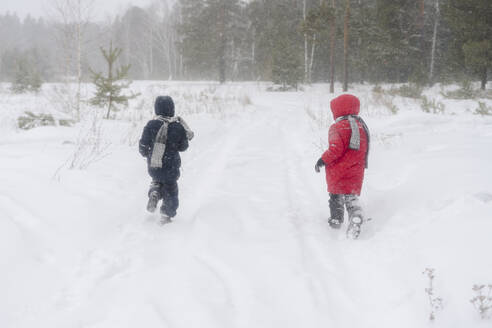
250,246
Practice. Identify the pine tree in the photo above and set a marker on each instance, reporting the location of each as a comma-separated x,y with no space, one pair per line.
398,46
109,90
287,67
21,82
209,33
316,23
278,40
471,23
27,78
222,17
194,45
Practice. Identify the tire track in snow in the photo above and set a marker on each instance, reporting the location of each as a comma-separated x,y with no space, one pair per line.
209,184
265,135
342,266
205,179
232,287
322,278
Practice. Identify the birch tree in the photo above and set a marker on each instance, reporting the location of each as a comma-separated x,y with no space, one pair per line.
315,22
73,17
333,29
346,44
434,41
163,36
306,59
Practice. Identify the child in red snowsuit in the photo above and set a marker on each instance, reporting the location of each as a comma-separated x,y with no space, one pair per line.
345,161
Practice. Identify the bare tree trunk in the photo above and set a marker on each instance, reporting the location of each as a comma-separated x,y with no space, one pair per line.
73,17
421,23
253,57
172,56
110,78
79,56
68,55
332,49
345,45
170,32
169,64
179,57
128,49
311,62
151,52
235,58
313,48
434,41
168,53
306,59
483,83
164,43
222,44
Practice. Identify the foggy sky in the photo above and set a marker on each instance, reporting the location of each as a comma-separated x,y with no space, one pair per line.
38,8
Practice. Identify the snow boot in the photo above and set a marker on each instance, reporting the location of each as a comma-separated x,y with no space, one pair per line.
153,200
165,219
335,223
353,230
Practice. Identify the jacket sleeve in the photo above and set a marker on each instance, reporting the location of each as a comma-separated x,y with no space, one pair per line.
145,143
183,144
336,147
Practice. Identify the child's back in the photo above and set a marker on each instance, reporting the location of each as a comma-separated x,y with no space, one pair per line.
345,161
162,139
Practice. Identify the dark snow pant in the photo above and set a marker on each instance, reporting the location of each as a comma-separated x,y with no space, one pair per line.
168,192
351,202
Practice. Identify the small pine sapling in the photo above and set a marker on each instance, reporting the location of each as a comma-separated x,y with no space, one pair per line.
482,300
27,77
483,109
108,89
434,302
431,106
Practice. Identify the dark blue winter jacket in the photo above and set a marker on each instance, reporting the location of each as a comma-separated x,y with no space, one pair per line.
176,142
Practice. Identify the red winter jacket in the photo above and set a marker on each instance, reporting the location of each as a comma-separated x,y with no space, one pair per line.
344,166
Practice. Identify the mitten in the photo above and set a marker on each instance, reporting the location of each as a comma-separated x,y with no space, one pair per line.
318,165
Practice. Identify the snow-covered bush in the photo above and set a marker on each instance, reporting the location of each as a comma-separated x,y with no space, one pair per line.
283,88
29,120
63,98
245,100
385,100
483,109
435,303
377,89
411,90
466,91
320,117
27,79
321,120
189,99
91,145
482,300
431,106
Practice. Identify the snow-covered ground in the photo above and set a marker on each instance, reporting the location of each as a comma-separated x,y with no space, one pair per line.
250,246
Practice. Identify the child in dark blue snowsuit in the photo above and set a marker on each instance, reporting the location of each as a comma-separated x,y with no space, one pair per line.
162,139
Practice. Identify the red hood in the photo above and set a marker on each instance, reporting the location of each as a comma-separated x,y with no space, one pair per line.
345,105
